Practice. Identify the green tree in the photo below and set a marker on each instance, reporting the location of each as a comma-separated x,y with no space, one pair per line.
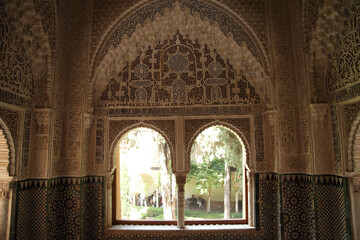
208,175
233,150
220,144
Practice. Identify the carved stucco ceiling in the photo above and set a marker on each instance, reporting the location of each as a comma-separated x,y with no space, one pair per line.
330,22
27,23
119,49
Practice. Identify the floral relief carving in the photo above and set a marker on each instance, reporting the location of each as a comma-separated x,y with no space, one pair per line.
180,21
16,77
24,19
178,72
323,150
332,20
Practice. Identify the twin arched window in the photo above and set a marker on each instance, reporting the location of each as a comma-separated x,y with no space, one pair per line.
144,189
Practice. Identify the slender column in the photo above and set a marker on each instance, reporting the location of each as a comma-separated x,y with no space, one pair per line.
109,183
4,209
180,181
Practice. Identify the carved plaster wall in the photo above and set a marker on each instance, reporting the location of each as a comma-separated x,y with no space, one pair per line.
27,23
248,60
330,22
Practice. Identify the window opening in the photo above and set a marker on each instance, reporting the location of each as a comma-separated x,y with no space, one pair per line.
216,184
145,186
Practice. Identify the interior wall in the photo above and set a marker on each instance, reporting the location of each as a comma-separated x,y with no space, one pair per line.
294,201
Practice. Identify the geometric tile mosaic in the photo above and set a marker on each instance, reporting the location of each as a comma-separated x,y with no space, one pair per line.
268,206
298,207
330,208
64,208
307,207
31,210
92,224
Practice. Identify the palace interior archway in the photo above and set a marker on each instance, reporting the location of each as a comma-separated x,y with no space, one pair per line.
76,75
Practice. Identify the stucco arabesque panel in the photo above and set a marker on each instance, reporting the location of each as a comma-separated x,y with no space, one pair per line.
191,25
28,25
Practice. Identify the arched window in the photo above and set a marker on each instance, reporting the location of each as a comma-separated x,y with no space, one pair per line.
216,184
144,184
144,187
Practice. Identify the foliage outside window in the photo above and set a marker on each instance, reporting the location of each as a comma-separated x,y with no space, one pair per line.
217,172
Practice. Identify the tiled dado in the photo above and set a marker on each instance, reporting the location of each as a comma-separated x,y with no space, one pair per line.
61,208
287,207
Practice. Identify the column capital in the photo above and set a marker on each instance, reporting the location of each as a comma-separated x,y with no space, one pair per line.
42,117
319,111
88,120
181,180
270,116
4,189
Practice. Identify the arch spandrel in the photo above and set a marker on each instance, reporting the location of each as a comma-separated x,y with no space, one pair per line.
248,60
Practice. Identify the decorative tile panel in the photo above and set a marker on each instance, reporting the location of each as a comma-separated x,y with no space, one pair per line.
64,208
298,207
31,210
330,208
92,212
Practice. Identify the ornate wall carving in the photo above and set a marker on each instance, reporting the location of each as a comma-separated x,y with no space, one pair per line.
331,17
253,12
271,128
300,81
323,148
345,61
40,143
74,59
28,26
24,165
310,15
292,158
178,72
16,79
180,19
